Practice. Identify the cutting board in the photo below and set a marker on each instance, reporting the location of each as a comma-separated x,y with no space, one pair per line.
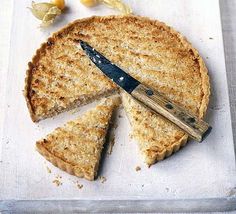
198,172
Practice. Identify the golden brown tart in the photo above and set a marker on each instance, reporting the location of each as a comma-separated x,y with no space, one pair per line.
61,76
77,146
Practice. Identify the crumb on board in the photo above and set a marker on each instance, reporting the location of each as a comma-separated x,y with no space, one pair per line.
57,182
80,186
232,192
58,177
131,136
48,169
138,168
102,179
111,144
142,185
210,38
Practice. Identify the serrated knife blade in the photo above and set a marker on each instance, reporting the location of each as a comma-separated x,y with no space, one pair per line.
121,78
192,125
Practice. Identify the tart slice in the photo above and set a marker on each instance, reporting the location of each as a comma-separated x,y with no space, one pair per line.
157,137
76,147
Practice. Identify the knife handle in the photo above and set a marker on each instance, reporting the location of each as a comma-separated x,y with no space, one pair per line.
193,126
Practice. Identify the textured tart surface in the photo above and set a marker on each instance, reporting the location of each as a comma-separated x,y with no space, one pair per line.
60,76
76,147
157,138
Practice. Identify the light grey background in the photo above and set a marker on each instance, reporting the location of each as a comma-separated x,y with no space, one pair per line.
228,16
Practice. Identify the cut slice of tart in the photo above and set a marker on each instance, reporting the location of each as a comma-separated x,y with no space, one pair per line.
76,147
157,137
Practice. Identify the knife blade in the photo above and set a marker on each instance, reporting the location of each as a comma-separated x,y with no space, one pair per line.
158,103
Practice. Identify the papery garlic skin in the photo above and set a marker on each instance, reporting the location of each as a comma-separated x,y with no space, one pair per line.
50,16
118,4
46,12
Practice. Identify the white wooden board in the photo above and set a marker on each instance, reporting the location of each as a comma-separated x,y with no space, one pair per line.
198,171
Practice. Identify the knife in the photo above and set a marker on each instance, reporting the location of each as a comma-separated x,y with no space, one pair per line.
193,126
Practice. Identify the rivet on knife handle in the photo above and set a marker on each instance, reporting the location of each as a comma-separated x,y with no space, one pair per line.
194,127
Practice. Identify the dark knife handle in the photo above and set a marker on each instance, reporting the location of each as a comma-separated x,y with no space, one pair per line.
193,126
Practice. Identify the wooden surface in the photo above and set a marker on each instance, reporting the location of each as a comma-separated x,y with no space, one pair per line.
22,169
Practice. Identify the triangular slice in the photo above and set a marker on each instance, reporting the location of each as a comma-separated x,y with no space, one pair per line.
157,137
76,147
